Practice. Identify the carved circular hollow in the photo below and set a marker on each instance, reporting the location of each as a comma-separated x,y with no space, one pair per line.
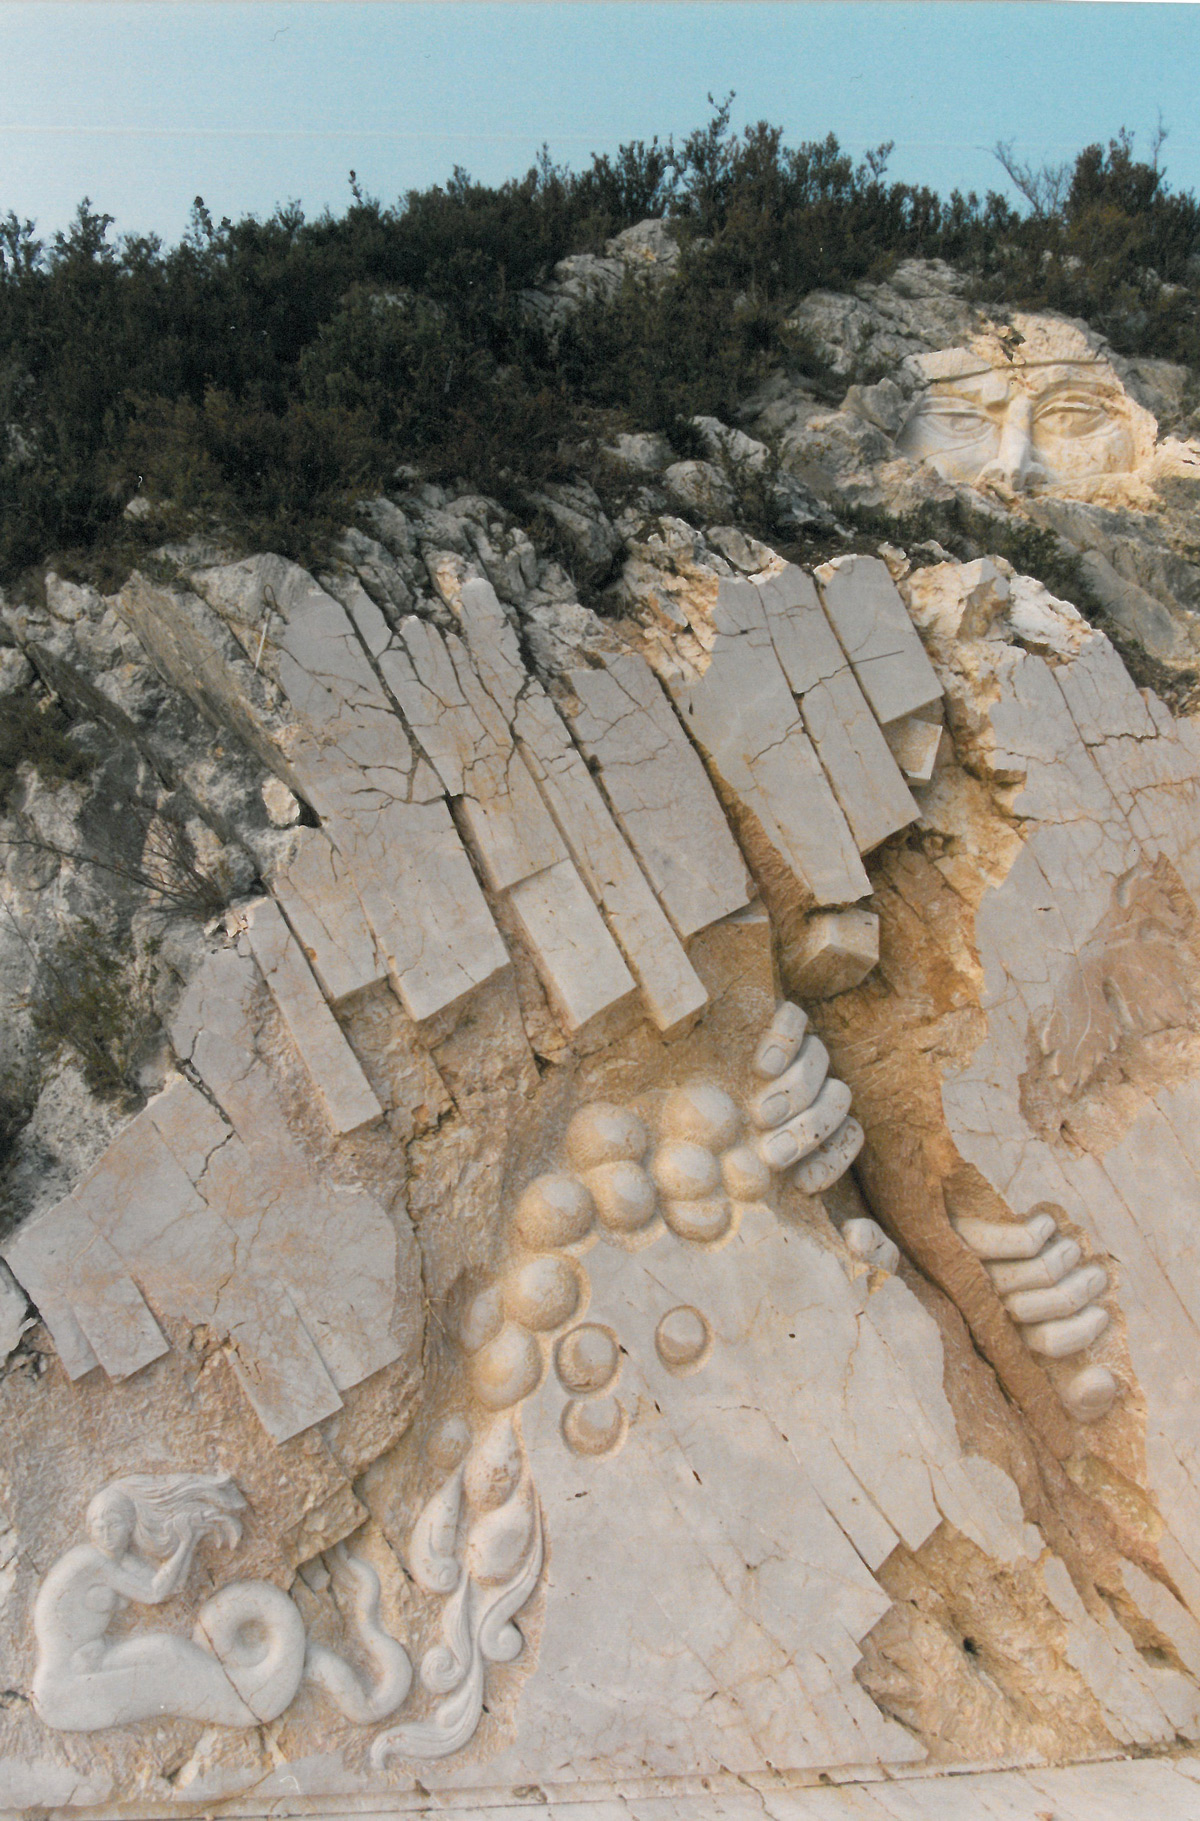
624,1195
745,1175
700,1221
543,1293
507,1369
595,1427
601,1133
683,1339
555,1210
257,1635
685,1171
702,1114
587,1359
448,1443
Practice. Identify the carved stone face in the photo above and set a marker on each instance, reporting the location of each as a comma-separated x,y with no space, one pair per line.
1056,424
110,1523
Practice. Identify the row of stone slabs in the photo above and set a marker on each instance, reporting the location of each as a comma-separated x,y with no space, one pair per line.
606,842
160,1211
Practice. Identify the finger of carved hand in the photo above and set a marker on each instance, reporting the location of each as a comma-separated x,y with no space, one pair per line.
867,1240
822,1168
790,1142
1003,1239
795,1089
1074,1292
781,1040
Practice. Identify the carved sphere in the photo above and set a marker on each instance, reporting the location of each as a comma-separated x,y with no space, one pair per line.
702,1114
746,1176
683,1339
448,1443
1091,1393
587,1359
507,1368
701,1221
555,1210
543,1293
483,1319
596,1427
685,1171
624,1196
601,1133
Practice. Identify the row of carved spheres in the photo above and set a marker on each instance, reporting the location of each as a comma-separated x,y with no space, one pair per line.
628,1185
692,1176
617,1183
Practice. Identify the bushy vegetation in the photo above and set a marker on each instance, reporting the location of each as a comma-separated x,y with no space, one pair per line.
262,373
92,1005
35,730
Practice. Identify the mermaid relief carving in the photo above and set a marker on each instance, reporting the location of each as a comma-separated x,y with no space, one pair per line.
247,1655
142,1536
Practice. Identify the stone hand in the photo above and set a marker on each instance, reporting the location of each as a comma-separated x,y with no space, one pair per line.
801,1113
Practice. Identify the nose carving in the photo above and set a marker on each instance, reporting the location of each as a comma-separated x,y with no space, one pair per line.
1013,466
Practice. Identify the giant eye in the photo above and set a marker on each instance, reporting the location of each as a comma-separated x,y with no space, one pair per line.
957,420
1073,414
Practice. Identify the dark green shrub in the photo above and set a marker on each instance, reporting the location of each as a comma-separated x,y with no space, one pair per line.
92,1003
35,730
262,372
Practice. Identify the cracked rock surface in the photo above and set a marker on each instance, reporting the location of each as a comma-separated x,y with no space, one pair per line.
602,1140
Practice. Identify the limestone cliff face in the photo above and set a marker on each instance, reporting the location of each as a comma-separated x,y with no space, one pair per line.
606,1201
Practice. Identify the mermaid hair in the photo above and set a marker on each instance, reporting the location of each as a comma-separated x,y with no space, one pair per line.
167,1506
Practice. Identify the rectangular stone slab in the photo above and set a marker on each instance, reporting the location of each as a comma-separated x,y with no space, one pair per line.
578,960
742,714
289,1238
854,755
381,803
658,791
332,1064
672,989
471,745
193,1264
35,1256
106,1302
423,901
136,1233
875,631
317,896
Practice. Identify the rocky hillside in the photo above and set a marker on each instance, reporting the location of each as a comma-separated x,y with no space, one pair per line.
740,886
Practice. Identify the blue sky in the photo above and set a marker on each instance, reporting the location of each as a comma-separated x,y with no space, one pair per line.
143,106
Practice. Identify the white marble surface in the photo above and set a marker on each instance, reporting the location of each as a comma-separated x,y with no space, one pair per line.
580,964
172,1218
877,635
658,791
318,897
381,804
741,712
856,758
341,1086
1107,785
735,1644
